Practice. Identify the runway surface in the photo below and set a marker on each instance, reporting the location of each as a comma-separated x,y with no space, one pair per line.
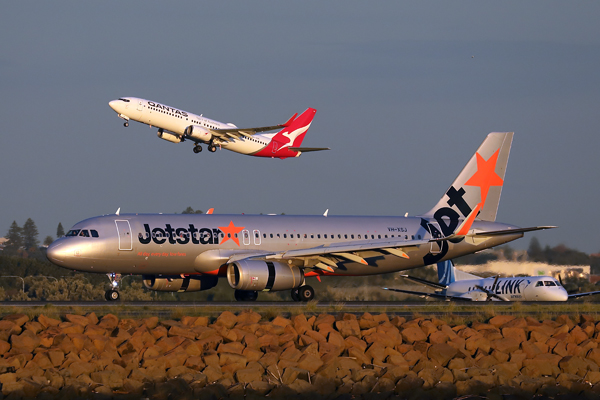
174,310
272,304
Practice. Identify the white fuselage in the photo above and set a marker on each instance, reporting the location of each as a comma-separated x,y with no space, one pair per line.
173,120
525,288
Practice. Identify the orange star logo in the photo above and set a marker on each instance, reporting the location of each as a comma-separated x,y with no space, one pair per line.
229,232
486,175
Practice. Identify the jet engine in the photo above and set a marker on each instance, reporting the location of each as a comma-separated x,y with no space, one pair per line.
178,284
168,136
198,132
263,275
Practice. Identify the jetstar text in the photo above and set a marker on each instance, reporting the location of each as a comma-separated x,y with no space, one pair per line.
179,235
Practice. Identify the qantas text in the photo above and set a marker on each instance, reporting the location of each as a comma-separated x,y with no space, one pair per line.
167,108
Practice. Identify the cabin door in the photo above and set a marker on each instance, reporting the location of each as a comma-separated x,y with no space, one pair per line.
124,231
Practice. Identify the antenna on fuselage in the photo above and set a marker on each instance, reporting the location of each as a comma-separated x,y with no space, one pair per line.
118,211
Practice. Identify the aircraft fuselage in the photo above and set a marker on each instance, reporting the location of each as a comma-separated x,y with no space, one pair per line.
178,244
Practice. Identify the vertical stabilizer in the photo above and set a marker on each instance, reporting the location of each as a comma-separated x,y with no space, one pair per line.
479,184
448,274
293,134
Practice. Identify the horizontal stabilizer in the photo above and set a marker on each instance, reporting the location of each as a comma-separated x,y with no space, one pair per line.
308,149
512,231
495,233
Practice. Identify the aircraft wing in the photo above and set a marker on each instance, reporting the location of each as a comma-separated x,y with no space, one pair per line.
434,295
326,257
424,282
576,295
235,132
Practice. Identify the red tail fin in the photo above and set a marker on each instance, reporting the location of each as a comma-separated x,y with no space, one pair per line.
290,136
293,133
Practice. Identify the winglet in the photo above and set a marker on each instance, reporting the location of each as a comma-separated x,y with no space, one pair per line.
118,211
289,121
325,213
210,210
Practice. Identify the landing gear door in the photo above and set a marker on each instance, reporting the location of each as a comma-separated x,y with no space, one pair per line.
124,232
435,233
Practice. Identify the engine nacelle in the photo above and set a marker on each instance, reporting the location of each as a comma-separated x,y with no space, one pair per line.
198,132
263,275
168,136
178,284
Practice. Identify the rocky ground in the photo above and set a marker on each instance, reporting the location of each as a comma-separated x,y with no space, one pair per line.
326,356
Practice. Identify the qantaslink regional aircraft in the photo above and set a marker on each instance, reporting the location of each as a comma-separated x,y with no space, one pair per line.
176,126
189,252
454,284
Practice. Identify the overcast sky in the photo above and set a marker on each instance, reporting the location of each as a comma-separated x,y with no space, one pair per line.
405,92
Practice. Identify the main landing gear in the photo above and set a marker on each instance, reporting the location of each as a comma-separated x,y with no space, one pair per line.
112,294
303,293
245,295
211,147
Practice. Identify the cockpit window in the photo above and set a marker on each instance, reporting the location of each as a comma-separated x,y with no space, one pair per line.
540,283
83,233
549,283
125,100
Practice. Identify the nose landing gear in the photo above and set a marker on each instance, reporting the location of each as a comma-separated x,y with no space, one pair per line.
112,294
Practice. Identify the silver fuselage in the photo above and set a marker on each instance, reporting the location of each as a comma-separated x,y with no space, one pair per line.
184,244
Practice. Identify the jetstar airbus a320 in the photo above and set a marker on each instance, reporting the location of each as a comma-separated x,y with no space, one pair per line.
177,126
189,252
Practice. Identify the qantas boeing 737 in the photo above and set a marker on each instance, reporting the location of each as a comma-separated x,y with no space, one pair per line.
176,126
189,252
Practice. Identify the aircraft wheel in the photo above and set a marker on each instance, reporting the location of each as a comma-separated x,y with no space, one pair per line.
126,124
295,294
197,149
212,149
306,293
245,295
112,295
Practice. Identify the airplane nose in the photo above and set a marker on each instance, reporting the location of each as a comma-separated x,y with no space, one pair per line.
113,104
54,253
564,296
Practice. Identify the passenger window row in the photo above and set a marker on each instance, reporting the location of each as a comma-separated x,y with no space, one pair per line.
339,236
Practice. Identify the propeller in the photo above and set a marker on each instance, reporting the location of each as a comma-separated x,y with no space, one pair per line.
491,293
